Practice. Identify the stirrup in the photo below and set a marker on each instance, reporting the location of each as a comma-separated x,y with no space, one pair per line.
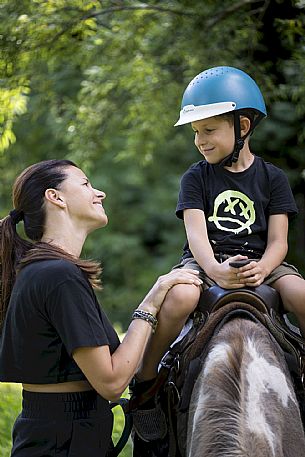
150,424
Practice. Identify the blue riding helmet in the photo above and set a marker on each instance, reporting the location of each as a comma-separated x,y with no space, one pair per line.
220,90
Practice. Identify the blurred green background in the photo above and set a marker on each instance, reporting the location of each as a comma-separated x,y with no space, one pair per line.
100,82
10,405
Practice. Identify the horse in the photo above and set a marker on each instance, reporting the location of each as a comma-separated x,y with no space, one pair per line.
243,402
226,388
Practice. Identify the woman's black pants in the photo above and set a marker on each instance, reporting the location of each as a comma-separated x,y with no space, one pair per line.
63,425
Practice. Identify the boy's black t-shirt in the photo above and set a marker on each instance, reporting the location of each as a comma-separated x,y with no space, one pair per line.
237,206
52,311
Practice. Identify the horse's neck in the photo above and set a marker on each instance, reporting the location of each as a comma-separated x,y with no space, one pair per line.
243,399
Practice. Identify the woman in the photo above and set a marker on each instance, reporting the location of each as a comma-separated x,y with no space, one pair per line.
55,339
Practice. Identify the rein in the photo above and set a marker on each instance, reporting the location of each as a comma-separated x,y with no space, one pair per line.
123,402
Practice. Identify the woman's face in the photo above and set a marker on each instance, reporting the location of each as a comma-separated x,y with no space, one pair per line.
84,204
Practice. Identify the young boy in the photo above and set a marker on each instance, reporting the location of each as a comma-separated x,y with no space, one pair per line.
234,206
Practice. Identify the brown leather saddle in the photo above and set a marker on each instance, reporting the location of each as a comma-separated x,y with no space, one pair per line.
262,304
263,298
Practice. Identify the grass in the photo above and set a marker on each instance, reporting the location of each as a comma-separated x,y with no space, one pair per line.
10,407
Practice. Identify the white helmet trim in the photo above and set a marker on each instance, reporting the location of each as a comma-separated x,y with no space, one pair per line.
192,113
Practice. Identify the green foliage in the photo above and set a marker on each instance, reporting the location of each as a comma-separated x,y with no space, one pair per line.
12,103
100,82
10,407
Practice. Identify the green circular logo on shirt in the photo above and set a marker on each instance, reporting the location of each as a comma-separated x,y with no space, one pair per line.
239,209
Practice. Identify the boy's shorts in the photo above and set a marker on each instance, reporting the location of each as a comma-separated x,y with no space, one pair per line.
282,270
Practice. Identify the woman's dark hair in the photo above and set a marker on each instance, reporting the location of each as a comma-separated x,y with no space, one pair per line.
28,201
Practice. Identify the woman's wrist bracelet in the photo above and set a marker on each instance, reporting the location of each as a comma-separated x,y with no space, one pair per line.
145,316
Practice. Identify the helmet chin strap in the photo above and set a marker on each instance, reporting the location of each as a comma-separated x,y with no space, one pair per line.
238,145
239,140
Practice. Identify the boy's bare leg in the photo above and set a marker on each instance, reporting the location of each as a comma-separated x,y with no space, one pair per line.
180,301
292,291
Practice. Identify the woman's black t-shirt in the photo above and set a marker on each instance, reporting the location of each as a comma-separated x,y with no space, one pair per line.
52,311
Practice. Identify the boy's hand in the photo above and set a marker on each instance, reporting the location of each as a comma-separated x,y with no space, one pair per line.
227,276
251,275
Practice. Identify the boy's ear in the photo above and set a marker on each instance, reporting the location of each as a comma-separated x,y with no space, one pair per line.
245,125
53,196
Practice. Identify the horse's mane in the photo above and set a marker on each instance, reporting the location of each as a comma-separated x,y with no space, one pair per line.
228,423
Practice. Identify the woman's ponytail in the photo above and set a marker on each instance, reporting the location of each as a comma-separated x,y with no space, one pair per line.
12,249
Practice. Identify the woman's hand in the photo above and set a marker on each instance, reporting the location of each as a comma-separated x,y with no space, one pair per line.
155,297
